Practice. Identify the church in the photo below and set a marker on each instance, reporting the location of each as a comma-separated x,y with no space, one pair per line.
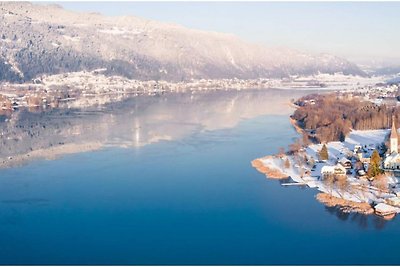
392,160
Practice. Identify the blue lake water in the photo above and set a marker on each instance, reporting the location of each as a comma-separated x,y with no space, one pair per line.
192,198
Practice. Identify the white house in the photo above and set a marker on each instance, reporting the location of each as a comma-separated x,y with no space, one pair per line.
333,170
362,154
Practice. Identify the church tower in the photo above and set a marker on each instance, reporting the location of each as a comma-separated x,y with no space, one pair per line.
394,139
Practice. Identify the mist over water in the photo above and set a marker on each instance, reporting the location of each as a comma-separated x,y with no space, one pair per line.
170,182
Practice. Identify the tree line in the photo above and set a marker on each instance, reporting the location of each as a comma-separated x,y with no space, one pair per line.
331,117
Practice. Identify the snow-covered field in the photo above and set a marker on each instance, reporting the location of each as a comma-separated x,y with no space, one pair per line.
337,150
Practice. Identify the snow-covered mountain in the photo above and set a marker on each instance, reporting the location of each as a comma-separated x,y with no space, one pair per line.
47,39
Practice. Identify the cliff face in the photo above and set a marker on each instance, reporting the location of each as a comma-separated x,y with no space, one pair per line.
46,39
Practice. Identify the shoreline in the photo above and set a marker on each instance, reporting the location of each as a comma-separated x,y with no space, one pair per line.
346,190
298,129
344,205
272,173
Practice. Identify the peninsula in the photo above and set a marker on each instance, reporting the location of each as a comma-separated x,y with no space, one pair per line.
348,151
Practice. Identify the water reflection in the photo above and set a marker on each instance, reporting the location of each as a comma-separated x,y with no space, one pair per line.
363,221
133,123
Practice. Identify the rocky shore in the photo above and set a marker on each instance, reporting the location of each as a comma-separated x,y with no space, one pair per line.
344,205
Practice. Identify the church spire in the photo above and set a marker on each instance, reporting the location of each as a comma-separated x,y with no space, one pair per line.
393,137
393,134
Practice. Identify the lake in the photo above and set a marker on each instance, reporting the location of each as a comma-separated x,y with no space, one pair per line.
169,181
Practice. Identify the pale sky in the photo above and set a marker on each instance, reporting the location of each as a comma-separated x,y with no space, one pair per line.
358,31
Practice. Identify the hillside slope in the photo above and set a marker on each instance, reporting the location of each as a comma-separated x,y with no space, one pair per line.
47,39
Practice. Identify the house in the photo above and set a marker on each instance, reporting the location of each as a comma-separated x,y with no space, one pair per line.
362,154
333,170
346,163
392,162
357,149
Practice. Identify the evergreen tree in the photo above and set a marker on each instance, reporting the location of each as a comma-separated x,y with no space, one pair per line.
323,153
374,168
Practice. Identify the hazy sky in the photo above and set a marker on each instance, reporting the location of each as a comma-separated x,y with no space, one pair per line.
359,31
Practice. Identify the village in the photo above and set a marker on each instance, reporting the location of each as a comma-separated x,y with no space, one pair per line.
359,174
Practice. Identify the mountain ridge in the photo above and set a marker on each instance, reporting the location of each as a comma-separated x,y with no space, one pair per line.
42,39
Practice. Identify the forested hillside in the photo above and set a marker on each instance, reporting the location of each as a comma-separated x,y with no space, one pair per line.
39,39
331,117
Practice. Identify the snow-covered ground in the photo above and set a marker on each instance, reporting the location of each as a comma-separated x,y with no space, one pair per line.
337,150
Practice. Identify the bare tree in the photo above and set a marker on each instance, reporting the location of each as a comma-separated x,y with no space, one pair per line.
287,164
342,183
329,181
381,183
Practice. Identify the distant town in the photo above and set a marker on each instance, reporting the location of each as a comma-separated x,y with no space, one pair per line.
90,88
